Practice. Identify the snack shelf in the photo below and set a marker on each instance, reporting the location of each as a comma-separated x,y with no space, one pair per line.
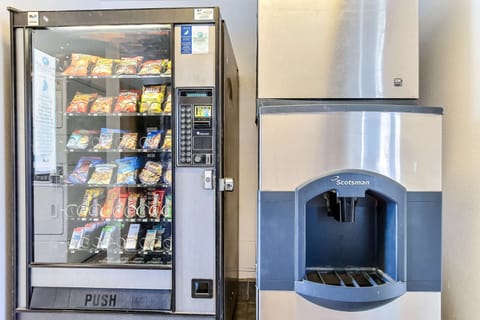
116,115
128,220
119,150
164,77
114,185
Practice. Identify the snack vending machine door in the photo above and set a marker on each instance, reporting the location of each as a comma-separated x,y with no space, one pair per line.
96,219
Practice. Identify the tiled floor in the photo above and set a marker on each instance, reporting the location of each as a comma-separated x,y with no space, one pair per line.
246,305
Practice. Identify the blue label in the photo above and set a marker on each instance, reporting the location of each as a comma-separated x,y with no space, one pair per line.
186,40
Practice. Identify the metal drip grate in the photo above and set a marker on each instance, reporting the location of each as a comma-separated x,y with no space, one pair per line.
349,277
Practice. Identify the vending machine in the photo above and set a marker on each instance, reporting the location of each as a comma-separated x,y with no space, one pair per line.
126,143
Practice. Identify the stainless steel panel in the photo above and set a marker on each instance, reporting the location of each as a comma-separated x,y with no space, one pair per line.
101,278
49,212
195,239
21,244
337,49
298,147
195,70
287,305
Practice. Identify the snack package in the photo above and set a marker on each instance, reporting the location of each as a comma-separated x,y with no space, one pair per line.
102,105
142,206
152,99
76,239
155,204
110,202
128,65
151,173
103,67
79,65
132,204
152,140
90,203
168,176
167,67
152,67
167,143
79,175
167,105
102,174
132,237
160,231
119,209
127,101
80,139
150,238
129,141
106,237
167,208
127,170
80,102
107,136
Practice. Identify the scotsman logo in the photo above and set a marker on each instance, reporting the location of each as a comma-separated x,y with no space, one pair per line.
340,182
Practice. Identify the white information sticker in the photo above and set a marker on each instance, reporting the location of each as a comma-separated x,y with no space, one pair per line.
44,134
32,18
203,14
200,39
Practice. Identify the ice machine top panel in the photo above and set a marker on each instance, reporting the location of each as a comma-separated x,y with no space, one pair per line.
298,147
338,49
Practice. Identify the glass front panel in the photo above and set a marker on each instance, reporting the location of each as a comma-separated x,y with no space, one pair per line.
101,133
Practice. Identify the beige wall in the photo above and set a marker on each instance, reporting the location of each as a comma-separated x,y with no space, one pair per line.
241,20
450,66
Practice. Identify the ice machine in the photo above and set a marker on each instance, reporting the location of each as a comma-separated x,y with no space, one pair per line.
126,141
350,189
349,227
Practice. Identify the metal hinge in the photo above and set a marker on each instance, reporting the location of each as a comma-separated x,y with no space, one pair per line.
226,184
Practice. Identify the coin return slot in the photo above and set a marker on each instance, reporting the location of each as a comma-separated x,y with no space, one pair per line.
202,288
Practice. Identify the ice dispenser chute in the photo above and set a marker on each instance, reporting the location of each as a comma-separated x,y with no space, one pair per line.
351,241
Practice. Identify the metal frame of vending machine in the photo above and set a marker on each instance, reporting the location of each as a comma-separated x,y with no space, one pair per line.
126,164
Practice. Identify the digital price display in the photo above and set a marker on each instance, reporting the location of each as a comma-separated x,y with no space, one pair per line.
203,111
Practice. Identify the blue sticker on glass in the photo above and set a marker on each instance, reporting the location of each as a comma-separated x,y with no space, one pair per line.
186,40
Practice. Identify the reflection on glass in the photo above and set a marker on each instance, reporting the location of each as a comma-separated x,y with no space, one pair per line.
102,145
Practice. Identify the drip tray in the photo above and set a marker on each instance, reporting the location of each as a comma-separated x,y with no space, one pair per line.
348,277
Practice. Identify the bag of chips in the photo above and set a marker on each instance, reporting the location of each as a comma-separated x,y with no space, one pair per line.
151,173
151,67
107,137
102,105
127,170
79,175
103,67
102,174
90,204
128,65
152,140
128,141
152,99
80,64
167,67
167,142
167,105
127,101
80,139
80,102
